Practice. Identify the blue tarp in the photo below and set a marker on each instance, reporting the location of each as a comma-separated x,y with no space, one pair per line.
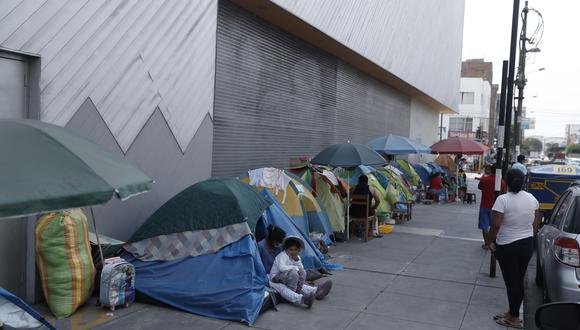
227,285
424,172
275,215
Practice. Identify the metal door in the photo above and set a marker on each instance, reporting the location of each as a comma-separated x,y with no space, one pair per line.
13,237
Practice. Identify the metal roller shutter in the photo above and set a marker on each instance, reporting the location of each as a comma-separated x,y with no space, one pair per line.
277,97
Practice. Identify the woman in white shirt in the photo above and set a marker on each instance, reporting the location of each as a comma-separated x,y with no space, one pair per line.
515,221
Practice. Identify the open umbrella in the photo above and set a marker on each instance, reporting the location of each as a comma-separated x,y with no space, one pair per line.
397,145
46,168
348,155
456,145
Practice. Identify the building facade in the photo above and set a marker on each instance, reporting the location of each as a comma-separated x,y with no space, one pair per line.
572,133
477,117
190,89
472,121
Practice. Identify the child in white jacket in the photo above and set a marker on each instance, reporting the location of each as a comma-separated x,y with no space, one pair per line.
287,276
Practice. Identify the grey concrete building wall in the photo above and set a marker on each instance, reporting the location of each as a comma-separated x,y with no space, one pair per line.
397,35
278,97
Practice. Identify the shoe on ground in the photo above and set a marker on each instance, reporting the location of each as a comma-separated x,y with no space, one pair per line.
323,288
308,299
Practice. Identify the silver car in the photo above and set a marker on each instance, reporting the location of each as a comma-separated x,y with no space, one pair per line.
558,250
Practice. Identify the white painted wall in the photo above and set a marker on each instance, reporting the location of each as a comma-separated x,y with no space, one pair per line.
419,41
424,128
129,57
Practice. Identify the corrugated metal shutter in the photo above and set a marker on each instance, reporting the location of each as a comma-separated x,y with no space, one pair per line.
277,97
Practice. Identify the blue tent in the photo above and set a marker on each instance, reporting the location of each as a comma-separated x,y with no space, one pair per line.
227,285
424,172
275,215
19,314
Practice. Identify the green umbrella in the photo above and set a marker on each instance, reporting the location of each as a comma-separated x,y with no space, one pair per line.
348,155
213,203
44,168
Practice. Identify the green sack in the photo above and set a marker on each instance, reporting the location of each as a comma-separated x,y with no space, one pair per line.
64,260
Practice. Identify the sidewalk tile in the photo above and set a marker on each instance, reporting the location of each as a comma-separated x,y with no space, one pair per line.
435,289
163,318
297,317
480,317
489,296
441,272
350,298
378,322
425,310
361,279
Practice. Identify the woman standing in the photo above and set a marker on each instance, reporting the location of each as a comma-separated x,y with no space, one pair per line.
515,221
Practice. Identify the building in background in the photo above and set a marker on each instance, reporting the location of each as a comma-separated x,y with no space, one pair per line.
190,89
572,133
477,117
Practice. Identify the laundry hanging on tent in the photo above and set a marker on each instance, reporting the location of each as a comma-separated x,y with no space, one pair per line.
330,176
270,177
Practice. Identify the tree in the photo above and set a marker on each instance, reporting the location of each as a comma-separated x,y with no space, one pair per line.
573,149
531,145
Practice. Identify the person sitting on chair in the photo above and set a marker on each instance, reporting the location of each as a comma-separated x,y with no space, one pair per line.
363,189
437,188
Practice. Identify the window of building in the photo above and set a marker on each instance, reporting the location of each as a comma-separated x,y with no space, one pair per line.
467,97
461,124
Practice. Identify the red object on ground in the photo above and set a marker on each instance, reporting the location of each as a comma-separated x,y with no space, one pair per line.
459,146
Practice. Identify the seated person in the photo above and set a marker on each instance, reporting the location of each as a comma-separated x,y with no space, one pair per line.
288,275
437,188
363,189
270,246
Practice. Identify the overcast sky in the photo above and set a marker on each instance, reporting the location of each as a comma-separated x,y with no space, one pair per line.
486,35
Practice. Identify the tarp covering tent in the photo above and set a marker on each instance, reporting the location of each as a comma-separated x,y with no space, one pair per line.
197,253
326,192
399,181
405,167
384,180
446,161
275,215
302,206
17,314
424,172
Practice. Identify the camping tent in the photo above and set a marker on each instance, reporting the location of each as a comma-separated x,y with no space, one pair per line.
408,170
447,162
197,253
15,313
302,206
327,194
424,172
275,215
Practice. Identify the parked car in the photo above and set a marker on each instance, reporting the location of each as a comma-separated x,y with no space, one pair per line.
558,249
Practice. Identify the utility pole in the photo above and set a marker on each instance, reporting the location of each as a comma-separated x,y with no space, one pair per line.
500,148
521,81
510,84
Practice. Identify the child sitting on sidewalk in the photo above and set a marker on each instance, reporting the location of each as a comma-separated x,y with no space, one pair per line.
288,276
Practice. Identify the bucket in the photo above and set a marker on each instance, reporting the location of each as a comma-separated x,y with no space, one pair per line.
385,229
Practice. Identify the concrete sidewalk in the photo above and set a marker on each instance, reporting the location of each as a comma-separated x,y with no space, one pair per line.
430,273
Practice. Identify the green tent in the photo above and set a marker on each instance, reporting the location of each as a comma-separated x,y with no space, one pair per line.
213,203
